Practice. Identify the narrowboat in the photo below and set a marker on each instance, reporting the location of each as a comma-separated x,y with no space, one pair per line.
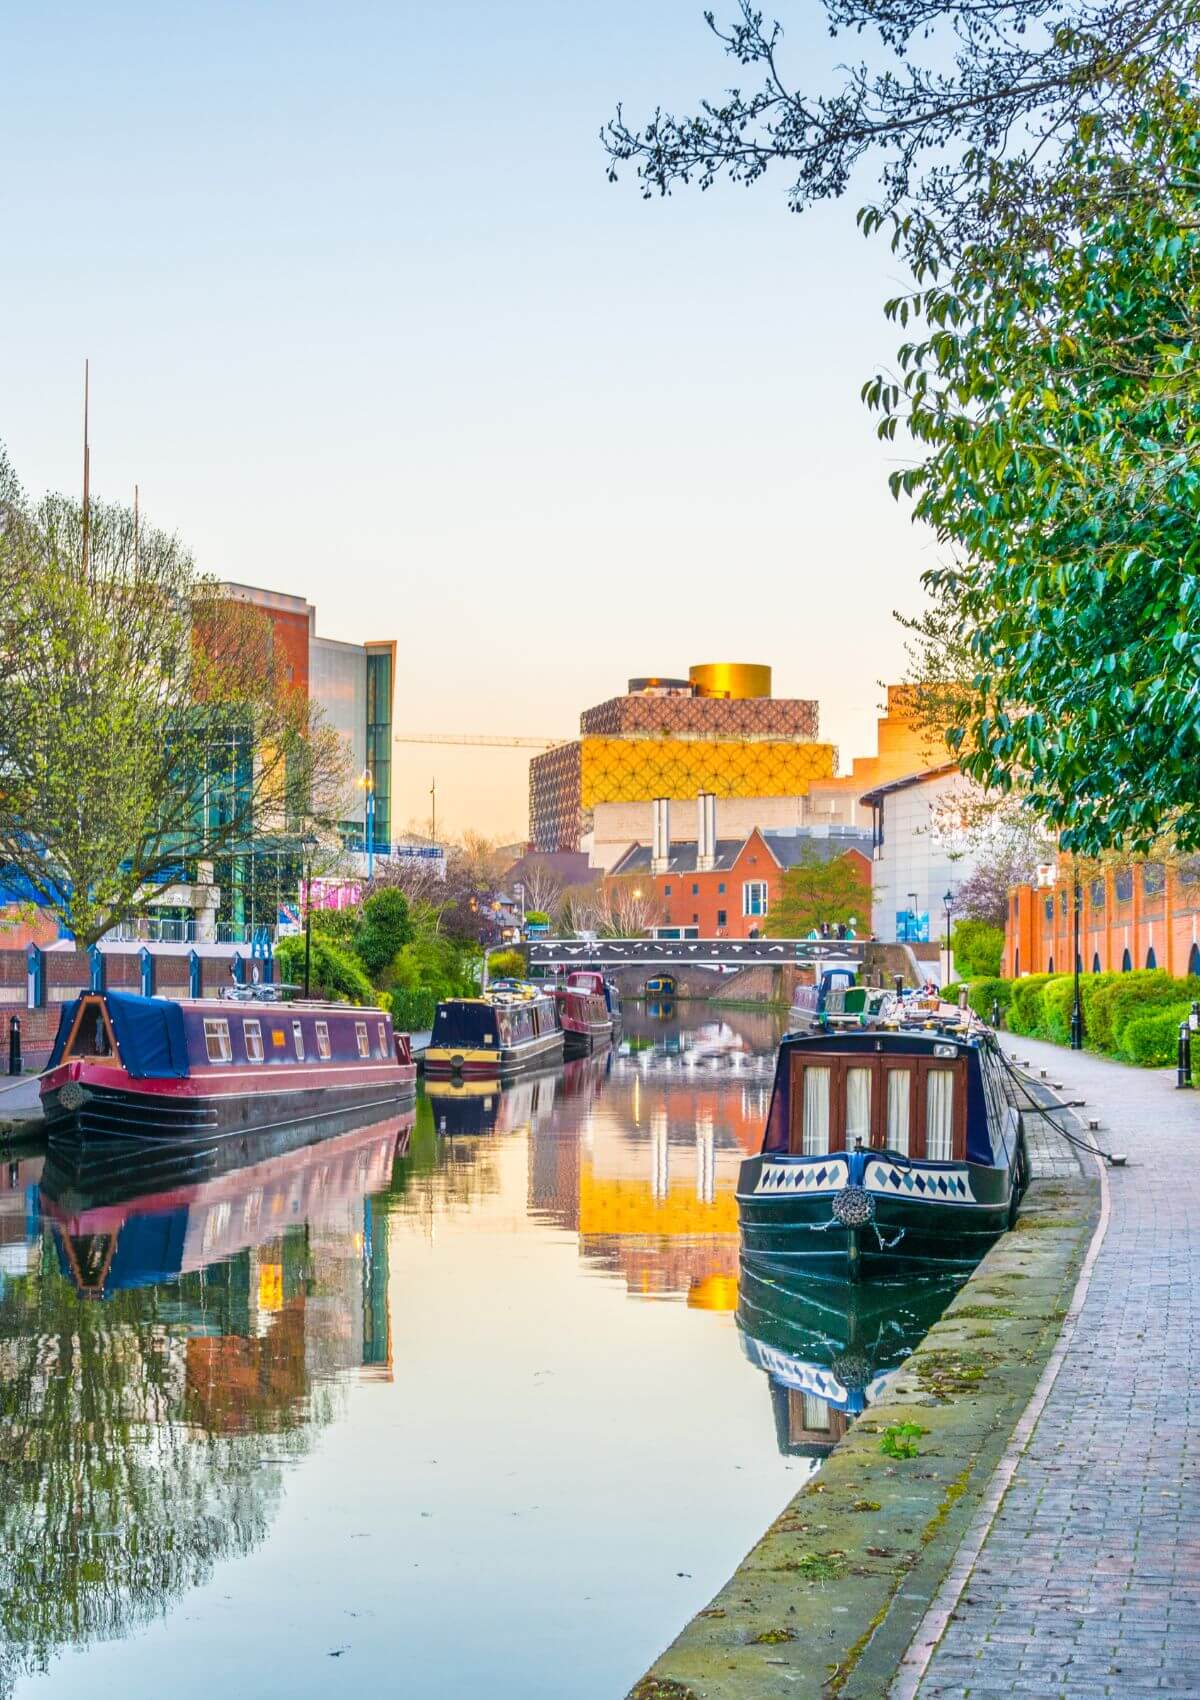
126,1067
837,1001
497,1034
831,1349
883,1148
584,1012
660,986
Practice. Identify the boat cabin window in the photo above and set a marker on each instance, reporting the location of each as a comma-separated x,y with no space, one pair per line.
379,1028
216,1040
912,1105
92,1036
298,1040
323,1050
252,1035
360,1033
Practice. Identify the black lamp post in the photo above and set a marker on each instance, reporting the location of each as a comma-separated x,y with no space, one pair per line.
948,900
308,844
1077,1007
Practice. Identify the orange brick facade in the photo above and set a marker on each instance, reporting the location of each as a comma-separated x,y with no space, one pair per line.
1146,915
716,901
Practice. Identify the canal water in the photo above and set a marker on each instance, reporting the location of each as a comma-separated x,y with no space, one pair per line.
468,1402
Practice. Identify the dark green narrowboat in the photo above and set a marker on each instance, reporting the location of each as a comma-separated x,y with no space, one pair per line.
884,1148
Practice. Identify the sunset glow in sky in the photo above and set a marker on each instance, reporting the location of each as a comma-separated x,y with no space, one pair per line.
368,324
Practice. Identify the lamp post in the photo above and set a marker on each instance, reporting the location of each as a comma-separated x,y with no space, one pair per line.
1076,1007
367,782
948,900
308,844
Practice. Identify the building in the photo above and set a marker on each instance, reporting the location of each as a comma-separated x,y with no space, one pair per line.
920,849
719,731
1144,914
726,887
354,686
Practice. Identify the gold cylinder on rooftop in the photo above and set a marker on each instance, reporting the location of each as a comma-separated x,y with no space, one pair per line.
731,679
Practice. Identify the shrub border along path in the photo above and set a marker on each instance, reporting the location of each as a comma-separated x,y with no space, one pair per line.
829,1600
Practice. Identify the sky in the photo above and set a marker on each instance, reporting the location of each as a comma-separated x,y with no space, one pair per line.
368,324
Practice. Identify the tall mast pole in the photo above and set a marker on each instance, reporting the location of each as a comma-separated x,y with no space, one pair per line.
87,472
136,532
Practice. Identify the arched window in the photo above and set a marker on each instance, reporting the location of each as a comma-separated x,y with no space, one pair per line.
1151,959
1049,907
1050,966
1096,962
1126,962
1017,962
1194,960
1123,884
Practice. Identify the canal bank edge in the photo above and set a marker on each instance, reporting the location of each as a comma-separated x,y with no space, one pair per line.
826,1604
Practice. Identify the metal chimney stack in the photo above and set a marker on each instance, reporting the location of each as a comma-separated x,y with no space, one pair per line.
660,826
706,832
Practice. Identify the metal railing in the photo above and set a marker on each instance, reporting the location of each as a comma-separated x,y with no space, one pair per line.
153,929
728,952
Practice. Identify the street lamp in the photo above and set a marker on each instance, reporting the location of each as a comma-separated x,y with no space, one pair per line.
948,900
309,846
1076,1008
367,783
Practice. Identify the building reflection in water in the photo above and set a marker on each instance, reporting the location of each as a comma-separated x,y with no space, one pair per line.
163,1354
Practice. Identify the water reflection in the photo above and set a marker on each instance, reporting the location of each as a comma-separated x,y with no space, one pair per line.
163,1354
830,1348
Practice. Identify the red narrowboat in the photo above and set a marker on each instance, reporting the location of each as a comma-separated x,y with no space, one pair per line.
126,1067
583,1009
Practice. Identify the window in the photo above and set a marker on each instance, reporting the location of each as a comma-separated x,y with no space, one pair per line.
858,1105
1123,884
666,891
360,1033
1154,879
695,917
379,1028
695,889
939,1115
216,1041
1151,959
1126,961
816,1112
1096,963
323,1050
1063,898
1049,907
899,1102
252,1034
720,888
1096,894
277,1039
722,918
754,897
298,1040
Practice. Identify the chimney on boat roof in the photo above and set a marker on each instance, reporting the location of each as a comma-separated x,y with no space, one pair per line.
660,827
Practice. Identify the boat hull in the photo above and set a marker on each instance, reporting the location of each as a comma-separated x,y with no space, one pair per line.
484,1063
84,1107
580,1040
918,1214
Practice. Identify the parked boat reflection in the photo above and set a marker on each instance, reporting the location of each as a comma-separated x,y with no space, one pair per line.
830,1349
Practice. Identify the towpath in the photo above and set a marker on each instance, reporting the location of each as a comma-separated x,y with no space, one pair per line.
1087,1583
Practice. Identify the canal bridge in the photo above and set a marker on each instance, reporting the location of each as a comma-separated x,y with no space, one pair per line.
720,954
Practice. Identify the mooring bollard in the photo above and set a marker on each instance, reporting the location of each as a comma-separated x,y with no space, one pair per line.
14,1045
996,1014
1183,1072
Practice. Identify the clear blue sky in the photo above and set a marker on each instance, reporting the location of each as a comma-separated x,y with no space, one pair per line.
367,322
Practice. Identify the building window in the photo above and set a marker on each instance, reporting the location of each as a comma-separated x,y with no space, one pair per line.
1062,900
720,888
323,1050
1151,959
1126,961
298,1040
754,897
382,1038
666,891
1096,962
695,889
1096,894
252,1034
722,918
1123,884
695,918
360,1033
1194,960
216,1041
1049,907
1154,879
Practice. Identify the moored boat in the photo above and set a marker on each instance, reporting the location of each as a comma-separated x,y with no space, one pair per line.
497,1034
660,986
884,1148
836,1000
584,1012
129,1068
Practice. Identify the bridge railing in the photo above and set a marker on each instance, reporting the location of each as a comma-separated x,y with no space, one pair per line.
738,953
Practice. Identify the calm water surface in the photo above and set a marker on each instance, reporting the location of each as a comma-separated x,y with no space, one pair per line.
454,1404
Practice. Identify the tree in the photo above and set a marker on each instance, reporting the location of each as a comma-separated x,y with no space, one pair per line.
1056,399
966,107
815,890
978,947
386,926
146,722
336,974
507,965
543,888
627,907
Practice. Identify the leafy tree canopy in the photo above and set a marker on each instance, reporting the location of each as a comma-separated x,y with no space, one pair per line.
978,947
337,975
386,926
817,890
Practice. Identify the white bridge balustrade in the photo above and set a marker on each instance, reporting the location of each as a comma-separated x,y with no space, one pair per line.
729,953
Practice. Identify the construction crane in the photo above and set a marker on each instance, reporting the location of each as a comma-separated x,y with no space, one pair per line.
480,738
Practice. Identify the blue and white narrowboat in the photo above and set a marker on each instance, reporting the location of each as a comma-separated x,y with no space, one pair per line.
513,1026
126,1067
882,1148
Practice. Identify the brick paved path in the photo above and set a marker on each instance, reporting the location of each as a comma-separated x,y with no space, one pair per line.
1088,1583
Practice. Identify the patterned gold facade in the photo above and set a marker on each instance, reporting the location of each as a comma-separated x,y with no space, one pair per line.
635,770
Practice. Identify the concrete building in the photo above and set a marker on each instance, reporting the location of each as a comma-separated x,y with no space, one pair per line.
920,850
719,731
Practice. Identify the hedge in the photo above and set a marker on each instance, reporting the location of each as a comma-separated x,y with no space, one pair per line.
982,994
1025,1011
412,1012
1133,1016
1152,1040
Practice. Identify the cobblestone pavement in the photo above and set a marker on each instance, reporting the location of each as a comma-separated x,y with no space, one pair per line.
1088,1583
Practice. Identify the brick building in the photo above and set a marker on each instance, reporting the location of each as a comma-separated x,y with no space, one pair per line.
1145,914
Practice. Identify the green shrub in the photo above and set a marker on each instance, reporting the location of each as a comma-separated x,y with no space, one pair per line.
385,928
983,993
978,948
1025,1010
1151,1040
1058,1000
336,974
412,1012
539,917
1142,993
507,965
1094,1017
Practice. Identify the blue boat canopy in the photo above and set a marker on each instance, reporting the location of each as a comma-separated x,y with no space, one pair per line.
149,1033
